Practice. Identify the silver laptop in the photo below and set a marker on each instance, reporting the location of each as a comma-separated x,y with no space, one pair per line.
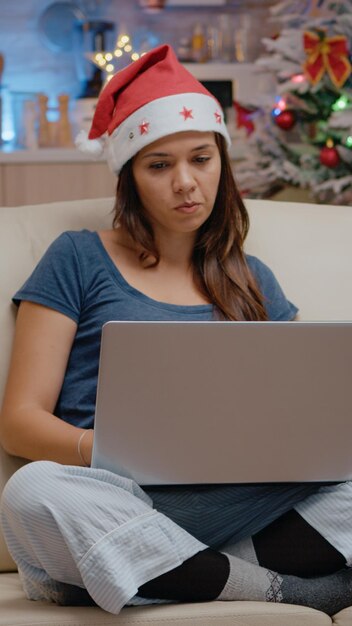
225,402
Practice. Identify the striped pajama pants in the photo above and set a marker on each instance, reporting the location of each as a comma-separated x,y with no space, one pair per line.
79,534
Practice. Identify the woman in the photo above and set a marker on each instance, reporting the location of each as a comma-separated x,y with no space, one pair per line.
82,535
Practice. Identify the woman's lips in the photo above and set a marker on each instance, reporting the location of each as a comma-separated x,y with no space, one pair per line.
187,207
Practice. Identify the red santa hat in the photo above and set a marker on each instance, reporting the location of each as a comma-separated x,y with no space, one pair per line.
149,99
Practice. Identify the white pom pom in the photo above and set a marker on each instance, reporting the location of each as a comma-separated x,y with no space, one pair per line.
95,147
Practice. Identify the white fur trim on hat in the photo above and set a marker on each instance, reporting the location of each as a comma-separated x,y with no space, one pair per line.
162,117
94,147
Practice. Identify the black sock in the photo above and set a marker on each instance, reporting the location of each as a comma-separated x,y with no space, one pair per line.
199,579
289,545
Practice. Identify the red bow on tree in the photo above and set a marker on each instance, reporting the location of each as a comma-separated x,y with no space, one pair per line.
244,117
326,54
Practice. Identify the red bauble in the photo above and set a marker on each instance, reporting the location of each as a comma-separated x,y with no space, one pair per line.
285,120
329,157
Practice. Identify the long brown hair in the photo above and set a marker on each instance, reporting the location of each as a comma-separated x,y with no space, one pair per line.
219,263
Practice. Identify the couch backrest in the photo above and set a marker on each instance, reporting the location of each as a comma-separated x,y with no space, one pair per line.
308,247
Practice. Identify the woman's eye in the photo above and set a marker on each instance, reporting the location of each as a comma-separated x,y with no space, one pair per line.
202,159
158,166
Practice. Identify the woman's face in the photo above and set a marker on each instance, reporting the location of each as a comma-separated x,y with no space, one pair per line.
177,180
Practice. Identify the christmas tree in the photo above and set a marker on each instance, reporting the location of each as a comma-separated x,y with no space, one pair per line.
303,133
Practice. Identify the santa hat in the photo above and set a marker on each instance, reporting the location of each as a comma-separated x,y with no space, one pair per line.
149,99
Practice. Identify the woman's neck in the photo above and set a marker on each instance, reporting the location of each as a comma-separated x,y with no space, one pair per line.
175,249
171,280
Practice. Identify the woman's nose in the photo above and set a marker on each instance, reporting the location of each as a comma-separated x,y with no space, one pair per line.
183,180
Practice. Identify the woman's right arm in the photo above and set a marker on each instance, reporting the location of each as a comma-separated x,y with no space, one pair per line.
28,427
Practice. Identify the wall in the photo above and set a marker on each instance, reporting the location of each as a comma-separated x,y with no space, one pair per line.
31,65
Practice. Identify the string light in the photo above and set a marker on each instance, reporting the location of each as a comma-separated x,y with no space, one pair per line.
105,60
298,78
340,104
279,106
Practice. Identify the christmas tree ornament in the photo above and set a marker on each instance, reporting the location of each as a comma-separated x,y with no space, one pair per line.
329,156
285,120
326,54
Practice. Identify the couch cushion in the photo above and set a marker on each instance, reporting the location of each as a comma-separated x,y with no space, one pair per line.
343,618
15,610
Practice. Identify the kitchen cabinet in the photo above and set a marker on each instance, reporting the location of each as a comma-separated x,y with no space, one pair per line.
33,177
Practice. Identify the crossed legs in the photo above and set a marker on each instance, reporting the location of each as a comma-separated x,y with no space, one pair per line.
80,529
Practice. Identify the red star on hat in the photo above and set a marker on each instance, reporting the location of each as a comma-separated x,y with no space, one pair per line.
218,117
187,113
144,128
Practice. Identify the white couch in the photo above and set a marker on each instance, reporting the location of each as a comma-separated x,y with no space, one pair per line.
308,247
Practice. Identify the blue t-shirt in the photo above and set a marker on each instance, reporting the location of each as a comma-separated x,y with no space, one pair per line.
77,277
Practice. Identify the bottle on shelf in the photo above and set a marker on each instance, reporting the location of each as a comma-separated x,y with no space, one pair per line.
198,44
184,50
214,43
64,134
43,124
29,137
1,73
